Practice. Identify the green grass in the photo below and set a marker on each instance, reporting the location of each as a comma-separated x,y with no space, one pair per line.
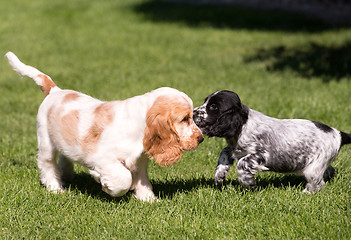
282,64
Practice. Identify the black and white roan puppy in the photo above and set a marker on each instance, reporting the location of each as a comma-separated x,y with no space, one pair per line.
262,143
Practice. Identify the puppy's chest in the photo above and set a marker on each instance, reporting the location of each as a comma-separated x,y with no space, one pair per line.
238,149
246,146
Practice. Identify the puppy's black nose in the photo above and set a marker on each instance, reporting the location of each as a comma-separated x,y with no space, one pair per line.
200,139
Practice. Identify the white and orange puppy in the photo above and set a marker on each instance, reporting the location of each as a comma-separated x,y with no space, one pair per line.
112,139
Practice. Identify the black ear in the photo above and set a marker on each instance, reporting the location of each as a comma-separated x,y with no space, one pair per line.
230,123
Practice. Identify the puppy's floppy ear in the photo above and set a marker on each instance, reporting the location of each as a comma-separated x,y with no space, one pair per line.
230,123
161,140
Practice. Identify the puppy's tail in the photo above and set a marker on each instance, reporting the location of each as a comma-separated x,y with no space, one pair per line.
42,80
345,138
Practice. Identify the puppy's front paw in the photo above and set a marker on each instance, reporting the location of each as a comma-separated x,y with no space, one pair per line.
56,191
150,198
246,179
221,173
219,177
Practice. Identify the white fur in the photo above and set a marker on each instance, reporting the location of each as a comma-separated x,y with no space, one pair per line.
116,158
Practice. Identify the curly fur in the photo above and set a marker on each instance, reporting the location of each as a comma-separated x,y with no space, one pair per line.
161,140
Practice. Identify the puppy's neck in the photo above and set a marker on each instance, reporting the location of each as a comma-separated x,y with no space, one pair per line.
232,142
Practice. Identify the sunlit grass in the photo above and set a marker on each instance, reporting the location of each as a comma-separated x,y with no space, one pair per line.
118,49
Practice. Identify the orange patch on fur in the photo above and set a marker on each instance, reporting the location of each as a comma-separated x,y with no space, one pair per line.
70,97
47,84
69,127
65,126
103,116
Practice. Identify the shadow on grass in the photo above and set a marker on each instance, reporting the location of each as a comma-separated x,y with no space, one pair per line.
281,181
312,60
167,189
84,183
229,16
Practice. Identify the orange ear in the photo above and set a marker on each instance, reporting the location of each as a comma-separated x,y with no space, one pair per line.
161,140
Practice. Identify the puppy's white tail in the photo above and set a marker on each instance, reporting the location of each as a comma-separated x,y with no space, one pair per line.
42,80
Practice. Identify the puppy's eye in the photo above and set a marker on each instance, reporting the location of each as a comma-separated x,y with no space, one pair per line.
186,119
213,107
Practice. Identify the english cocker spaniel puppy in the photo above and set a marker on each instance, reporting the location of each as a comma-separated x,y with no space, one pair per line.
112,139
262,143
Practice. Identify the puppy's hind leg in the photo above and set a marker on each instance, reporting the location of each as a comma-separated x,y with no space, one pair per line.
50,175
247,167
314,185
315,175
49,172
225,161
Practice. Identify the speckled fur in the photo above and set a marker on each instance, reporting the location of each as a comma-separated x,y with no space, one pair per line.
262,143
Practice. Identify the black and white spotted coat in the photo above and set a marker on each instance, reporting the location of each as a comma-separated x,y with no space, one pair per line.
262,143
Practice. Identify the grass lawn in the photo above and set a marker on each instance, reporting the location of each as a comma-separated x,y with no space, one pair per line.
282,64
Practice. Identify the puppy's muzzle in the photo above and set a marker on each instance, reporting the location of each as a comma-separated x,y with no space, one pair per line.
198,117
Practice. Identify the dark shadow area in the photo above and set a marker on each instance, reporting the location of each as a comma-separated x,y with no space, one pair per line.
166,190
312,60
282,181
169,189
229,16
84,183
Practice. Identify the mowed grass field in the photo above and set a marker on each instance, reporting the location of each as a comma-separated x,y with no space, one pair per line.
282,64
